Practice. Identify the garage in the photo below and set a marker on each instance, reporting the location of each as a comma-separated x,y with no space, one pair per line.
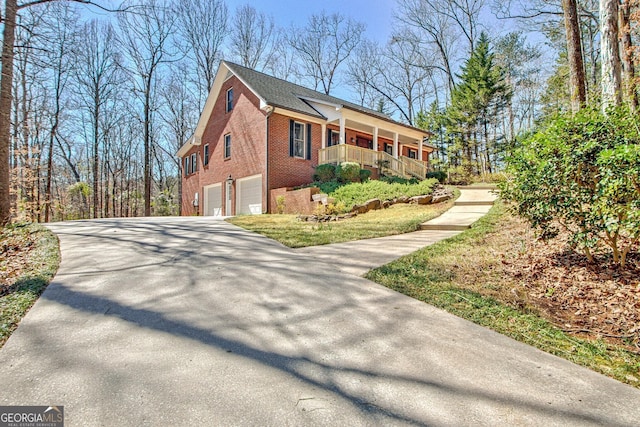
249,195
213,200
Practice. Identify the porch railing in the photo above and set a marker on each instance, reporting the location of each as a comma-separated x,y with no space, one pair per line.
403,166
414,167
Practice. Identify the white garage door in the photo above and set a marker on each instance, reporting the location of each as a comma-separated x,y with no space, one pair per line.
213,200
249,197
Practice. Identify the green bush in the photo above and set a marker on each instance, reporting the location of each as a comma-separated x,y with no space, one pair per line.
441,176
324,173
365,174
357,193
328,187
581,173
348,172
398,180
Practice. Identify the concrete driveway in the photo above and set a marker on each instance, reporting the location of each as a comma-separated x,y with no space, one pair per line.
192,321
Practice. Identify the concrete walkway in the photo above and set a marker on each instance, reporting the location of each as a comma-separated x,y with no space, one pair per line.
194,322
360,256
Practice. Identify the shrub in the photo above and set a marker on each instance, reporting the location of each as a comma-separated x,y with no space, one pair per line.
281,204
441,176
325,173
459,175
328,187
581,173
358,193
365,174
398,180
348,172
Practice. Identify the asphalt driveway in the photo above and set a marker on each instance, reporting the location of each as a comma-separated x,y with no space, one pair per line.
193,321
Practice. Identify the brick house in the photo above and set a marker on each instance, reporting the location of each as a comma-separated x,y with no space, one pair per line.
258,133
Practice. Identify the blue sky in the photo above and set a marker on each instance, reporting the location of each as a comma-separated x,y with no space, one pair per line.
376,14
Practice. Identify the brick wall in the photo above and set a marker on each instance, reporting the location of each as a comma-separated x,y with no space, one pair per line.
246,124
284,170
295,201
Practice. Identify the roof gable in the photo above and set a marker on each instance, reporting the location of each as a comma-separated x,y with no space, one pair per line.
275,92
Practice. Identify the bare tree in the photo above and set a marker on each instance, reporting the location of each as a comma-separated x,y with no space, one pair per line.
6,95
434,27
610,53
180,115
626,50
146,37
324,44
400,75
203,25
251,37
282,63
62,32
6,98
574,51
97,72
361,73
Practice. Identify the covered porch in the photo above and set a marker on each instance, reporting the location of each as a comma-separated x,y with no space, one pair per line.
372,140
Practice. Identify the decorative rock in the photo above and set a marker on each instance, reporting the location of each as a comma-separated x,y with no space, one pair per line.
421,200
373,204
360,209
386,204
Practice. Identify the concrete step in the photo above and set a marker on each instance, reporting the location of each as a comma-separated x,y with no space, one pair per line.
474,203
443,227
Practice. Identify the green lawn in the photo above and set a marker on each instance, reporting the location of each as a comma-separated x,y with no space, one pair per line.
461,275
288,230
29,258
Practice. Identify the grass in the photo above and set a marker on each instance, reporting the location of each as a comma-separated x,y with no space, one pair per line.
31,251
460,275
287,229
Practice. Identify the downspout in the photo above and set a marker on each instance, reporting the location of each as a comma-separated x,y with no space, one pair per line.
269,110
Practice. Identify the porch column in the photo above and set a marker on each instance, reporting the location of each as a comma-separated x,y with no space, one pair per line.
375,138
395,145
420,150
342,130
323,126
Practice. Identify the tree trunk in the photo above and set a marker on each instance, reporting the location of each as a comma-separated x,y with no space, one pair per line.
6,98
96,153
626,50
574,51
610,54
147,151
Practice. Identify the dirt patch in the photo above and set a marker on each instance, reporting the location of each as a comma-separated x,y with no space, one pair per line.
599,299
15,249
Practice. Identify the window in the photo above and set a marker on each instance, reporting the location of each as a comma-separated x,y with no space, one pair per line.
388,148
227,146
413,154
186,166
298,140
229,100
334,137
194,163
205,160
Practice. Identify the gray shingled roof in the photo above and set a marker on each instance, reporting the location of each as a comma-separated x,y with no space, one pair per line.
283,94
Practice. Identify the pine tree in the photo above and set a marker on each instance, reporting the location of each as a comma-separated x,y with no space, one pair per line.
476,102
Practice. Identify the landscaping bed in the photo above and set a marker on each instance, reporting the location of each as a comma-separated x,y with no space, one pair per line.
29,258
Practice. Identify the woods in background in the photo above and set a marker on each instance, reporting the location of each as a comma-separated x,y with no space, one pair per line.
100,101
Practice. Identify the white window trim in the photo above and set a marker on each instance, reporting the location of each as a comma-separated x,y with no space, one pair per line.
304,140
228,107
194,163
225,146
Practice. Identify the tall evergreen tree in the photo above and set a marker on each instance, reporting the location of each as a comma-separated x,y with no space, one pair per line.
476,102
